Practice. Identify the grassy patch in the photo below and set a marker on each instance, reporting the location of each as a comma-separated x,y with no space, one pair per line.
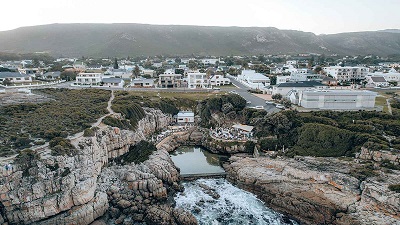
395,187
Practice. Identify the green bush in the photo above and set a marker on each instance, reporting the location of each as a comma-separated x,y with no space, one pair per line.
249,147
122,124
387,164
62,146
137,153
395,187
26,159
88,132
323,140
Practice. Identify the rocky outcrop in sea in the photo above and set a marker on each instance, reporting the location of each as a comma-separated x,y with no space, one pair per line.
319,190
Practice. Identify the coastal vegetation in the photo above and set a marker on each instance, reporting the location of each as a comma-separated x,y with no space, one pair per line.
137,153
70,112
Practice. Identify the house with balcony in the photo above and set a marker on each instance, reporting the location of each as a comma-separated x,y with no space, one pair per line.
169,80
197,80
218,80
254,80
88,79
347,73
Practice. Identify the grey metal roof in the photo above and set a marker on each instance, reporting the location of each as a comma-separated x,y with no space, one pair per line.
378,79
301,84
12,74
53,74
112,80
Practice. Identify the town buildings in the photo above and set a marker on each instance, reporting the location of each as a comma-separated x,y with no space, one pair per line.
347,73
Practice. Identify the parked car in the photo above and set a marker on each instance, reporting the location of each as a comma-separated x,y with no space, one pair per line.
269,102
259,107
279,106
248,102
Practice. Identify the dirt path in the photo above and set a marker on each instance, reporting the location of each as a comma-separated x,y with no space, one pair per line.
389,106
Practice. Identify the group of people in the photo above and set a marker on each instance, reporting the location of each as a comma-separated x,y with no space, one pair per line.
228,134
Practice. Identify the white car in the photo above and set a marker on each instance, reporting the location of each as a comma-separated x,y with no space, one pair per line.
279,106
269,102
248,102
259,107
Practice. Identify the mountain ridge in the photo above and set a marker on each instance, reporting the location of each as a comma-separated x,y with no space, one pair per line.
133,39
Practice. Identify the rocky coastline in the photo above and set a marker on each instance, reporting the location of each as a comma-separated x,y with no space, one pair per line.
318,190
82,188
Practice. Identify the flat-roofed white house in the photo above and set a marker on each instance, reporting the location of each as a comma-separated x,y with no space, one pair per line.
245,129
282,79
294,77
15,77
88,79
392,75
253,79
285,88
347,73
218,80
198,80
184,117
113,82
337,99
142,82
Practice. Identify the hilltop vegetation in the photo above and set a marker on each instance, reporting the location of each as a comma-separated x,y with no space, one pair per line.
70,112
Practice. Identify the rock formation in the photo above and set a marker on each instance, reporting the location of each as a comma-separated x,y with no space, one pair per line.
74,190
318,191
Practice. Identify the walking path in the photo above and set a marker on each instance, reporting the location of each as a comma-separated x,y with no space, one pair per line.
41,149
389,106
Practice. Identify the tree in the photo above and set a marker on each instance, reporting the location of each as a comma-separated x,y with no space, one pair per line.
273,80
136,71
276,96
318,70
178,60
116,63
286,102
7,82
68,75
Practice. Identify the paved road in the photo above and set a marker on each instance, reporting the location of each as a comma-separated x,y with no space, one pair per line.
255,101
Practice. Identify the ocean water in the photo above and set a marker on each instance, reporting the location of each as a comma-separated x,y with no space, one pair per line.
218,202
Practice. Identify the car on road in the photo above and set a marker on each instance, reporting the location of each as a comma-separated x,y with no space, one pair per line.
279,106
215,88
248,102
269,102
233,92
259,107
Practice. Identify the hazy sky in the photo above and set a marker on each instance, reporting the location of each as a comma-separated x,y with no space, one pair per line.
318,16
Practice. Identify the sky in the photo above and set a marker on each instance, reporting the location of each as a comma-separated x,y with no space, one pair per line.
317,16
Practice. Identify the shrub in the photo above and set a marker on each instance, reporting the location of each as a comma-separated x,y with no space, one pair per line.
26,159
88,132
249,147
122,124
62,146
137,153
395,187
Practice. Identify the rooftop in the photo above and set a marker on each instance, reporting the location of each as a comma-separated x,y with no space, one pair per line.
301,84
243,127
112,80
378,79
12,74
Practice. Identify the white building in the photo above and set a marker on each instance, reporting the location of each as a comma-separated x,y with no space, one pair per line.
347,73
218,80
285,88
184,117
197,80
122,73
376,81
282,79
392,75
253,79
88,79
142,82
337,99
15,77
113,82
